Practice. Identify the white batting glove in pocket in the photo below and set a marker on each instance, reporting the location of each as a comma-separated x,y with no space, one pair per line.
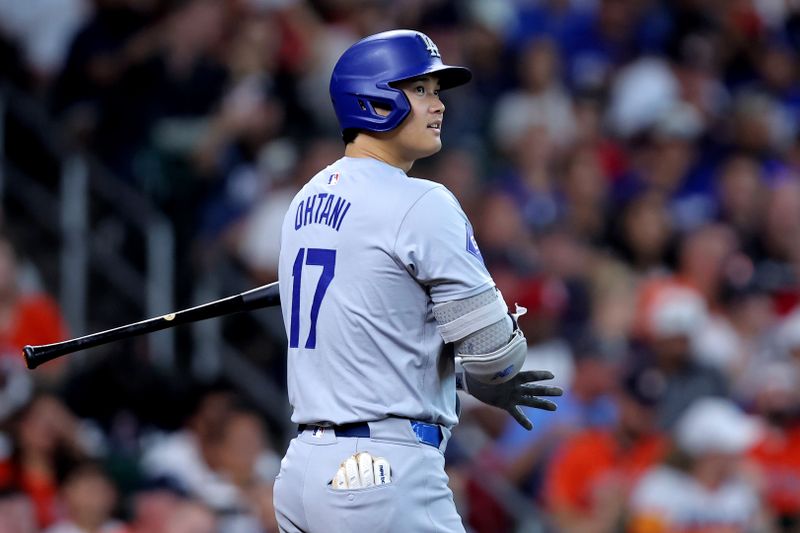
361,471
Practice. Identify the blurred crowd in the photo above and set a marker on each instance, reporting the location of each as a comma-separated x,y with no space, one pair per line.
632,170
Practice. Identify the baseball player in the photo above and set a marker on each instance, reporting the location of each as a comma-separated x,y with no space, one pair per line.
384,293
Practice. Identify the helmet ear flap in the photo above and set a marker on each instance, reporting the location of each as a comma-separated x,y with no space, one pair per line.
364,111
392,102
386,112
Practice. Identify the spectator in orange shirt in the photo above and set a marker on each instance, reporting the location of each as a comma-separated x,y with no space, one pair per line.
777,455
24,318
589,479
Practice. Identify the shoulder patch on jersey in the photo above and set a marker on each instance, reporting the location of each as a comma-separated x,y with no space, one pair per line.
472,244
333,179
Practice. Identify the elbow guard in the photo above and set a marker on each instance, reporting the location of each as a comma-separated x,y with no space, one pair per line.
500,365
488,343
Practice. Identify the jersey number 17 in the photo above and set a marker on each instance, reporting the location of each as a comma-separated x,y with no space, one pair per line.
326,258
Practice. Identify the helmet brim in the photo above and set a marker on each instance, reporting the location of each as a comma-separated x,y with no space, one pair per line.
448,76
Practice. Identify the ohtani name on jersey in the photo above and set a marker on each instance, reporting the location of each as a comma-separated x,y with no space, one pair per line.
322,208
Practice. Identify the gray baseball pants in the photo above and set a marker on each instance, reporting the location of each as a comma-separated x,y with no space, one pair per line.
417,500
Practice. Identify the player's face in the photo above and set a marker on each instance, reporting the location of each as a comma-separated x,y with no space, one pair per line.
419,135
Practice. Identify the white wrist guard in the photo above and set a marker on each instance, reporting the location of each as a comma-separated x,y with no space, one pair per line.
500,365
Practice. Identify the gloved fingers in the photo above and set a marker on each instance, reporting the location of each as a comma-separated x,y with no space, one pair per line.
365,469
361,470
538,403
533,375
340,478
352,473
518,415
539,390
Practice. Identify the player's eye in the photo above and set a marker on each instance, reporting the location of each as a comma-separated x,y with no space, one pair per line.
436,92
420,89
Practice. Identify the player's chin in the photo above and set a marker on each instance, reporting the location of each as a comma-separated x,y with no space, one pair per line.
433,146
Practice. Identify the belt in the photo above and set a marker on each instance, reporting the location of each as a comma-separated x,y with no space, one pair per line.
430,434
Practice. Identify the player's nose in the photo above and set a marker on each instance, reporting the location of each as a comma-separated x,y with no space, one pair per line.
437,106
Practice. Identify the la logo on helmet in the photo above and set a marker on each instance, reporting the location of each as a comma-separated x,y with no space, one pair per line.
430,46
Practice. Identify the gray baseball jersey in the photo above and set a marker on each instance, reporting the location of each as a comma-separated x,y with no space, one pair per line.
365,253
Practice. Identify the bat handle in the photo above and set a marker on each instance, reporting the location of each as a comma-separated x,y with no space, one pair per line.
42,353
266,296
36,355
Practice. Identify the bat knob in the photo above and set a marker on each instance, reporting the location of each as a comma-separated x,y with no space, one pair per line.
30,357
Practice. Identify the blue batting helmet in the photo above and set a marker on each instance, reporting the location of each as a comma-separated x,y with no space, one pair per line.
363,76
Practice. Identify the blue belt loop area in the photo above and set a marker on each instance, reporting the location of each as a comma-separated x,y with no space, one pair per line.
429,434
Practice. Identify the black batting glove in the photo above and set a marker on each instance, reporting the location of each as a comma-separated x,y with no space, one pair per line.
519,390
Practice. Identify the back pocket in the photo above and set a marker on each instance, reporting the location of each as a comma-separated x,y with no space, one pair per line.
372,509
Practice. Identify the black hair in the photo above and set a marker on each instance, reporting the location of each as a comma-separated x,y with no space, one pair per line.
349,135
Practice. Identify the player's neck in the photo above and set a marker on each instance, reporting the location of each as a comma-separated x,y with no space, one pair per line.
367,146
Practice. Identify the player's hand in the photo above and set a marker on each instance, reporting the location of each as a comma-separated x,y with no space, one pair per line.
520,390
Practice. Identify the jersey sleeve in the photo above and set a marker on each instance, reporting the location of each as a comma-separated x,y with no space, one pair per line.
436,245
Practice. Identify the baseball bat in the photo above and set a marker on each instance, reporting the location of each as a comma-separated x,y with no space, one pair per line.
264,296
